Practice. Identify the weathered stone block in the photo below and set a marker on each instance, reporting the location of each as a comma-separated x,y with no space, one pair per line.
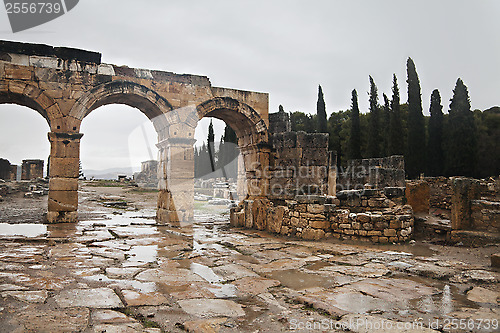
312,234
418,196
275,218
368,226
315,208
247,204
59,201
495,260
383,240
319,224
356,225
374,233
363,218
390,233
345,226
64,167
63,184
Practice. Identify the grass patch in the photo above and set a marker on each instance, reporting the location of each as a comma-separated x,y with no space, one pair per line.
105,183
143,190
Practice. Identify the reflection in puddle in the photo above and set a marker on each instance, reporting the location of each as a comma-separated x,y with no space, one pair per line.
299,280
24,229
218,288
142,253
446,301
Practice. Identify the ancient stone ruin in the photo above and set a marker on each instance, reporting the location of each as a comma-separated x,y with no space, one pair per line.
64,85
303,200
7,171
31,169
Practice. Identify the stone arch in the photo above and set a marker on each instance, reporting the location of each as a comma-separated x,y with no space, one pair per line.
22,93
252,133
249,126
123,92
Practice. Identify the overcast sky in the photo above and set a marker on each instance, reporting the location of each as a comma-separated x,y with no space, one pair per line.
285,48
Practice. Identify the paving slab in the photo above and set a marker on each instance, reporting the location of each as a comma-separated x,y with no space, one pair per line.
134,298
233,272
206,308
255,285
36,319
373,324
91,298
110,317
38,296
179,275
482,295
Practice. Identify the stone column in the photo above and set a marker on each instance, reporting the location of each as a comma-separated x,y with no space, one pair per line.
63,183
242,179
464,191
176,180
332,173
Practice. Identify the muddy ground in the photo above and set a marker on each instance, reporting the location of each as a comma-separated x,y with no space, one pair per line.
116,270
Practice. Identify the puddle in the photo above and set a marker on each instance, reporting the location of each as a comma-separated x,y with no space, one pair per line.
142,254
418,250
218,287
318,265
299,280
22,230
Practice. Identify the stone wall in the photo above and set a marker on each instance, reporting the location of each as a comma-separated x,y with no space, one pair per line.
354,215
32,169
440,192
299,164
148,176
377,172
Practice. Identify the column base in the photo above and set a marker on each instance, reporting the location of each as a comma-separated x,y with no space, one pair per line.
178,218
61,217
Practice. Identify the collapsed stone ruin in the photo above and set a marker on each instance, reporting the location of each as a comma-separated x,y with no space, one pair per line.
309,198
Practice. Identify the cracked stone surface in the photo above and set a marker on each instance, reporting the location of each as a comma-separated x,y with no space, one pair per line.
117,271
92,298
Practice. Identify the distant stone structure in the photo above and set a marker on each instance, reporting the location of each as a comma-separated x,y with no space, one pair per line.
7,171
148,176
32,169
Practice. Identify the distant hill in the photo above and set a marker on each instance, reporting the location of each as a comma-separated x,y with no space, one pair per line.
111,173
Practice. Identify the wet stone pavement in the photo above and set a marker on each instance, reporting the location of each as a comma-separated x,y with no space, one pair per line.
120,272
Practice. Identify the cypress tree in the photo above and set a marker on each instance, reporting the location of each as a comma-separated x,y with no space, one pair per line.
228,150
210,146
355,135
322,125
415,160
435,132
396,142
375,142
461,134
386,124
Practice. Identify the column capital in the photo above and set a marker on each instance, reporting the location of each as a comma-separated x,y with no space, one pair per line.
53,136
188,142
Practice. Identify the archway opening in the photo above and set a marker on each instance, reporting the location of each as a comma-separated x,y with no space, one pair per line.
24,152
218,168
118,141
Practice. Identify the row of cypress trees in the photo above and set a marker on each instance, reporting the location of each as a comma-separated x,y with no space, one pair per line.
439,145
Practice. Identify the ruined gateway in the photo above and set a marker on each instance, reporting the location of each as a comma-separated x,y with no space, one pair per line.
64,85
